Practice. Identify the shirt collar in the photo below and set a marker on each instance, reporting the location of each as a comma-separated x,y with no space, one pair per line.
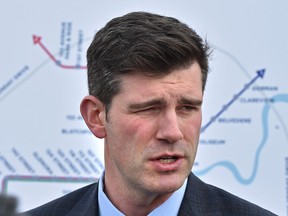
169,207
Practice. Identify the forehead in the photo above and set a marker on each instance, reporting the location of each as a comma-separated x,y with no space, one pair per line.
185,80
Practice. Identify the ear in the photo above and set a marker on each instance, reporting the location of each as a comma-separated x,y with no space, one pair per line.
93,112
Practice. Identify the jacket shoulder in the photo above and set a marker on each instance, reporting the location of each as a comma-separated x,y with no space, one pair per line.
79,199
204,199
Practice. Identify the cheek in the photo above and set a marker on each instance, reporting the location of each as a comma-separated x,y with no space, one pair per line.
195,120
191,129
139,128
132,135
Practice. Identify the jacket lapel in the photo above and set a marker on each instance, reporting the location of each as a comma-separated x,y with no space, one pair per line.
192,201
88,205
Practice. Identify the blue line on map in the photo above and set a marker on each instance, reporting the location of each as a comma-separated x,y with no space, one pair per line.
230,166
260,74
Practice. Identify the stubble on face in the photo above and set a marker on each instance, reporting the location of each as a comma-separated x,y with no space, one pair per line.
150,148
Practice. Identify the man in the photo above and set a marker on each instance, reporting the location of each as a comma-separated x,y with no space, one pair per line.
146,77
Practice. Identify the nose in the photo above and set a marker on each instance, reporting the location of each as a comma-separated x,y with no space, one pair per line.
168,127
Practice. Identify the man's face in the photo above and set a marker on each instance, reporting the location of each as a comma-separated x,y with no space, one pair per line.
153,131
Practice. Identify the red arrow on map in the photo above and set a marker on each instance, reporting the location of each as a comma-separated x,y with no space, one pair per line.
37,41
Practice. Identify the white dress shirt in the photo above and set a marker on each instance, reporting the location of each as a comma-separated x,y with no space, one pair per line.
169,208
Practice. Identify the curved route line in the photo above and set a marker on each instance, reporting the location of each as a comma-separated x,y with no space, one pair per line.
230,166
37,40
234,59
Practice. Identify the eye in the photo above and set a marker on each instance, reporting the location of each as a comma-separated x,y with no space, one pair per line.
187,108
147,111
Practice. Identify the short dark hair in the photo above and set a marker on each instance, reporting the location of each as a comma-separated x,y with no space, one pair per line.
141,42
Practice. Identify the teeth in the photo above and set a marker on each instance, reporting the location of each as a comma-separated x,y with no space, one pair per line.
167,160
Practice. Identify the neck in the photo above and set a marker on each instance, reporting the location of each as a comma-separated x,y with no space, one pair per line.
130,201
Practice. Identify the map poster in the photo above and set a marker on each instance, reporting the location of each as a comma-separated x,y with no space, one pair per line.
46,150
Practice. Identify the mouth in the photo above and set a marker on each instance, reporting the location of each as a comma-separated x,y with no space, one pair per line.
167,159
168,162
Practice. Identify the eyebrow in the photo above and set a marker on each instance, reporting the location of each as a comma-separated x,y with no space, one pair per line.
145,104
192,102
162,102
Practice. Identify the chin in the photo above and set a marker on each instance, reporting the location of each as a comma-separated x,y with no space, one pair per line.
170,184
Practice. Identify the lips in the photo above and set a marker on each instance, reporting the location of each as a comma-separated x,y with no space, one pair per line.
167,162
167,159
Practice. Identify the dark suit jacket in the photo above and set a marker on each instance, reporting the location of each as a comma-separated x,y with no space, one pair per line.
199,199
